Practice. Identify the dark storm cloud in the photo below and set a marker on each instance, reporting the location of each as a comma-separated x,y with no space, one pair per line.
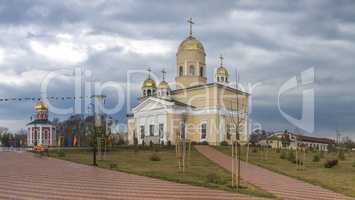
268,41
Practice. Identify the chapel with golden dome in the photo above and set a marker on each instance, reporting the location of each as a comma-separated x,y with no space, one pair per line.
191,108
40,131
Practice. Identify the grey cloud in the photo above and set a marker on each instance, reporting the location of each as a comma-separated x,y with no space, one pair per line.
268,41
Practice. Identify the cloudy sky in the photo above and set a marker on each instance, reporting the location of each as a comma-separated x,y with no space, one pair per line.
269,42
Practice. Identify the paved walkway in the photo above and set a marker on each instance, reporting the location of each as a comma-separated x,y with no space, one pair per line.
23,176
277,184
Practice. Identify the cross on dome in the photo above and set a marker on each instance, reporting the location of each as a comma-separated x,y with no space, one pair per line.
190,22
163,72
221,60
149,70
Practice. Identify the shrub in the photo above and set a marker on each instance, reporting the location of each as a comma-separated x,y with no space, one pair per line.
341,155
156,148
136,149
204,143
291,157
300,162
61,154
330,163
121,141
169,143
316,158
321,155
213,178
151,144
155,157
113,165
354,163
135,141
254,150
224,143
278,150
193,143
283,155
331,148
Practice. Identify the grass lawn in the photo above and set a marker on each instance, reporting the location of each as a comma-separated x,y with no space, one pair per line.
340,178
200,172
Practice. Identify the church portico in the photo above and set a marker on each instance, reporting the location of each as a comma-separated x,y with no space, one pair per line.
151,120
152,127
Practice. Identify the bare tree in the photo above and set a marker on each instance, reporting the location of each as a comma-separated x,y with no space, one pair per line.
237,118
182,138
3,130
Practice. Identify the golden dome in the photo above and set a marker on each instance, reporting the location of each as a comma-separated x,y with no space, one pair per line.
40,105
191,43
221,71
163,85
149,83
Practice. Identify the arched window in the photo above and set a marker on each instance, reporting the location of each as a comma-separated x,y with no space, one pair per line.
149,93
144,93
192,70
201,71
182,130
217,78
142,132
222,79
181,71
203,131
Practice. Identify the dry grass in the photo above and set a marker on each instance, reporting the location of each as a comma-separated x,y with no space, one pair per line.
340,178
199,170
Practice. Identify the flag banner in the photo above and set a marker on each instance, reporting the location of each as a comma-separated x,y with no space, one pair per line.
38,98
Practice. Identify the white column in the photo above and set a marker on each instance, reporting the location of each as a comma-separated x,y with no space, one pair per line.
40,135
50,136
29,137
54,136
165,132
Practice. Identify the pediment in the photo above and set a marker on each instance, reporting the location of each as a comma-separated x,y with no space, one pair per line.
152,104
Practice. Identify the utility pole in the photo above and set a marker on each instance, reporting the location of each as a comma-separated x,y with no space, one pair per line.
338,136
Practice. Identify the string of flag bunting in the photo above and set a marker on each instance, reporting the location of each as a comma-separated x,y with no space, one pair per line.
39,98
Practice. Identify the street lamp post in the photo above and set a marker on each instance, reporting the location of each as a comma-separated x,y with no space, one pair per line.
98,103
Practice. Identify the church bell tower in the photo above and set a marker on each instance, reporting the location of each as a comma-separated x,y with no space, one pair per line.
190,62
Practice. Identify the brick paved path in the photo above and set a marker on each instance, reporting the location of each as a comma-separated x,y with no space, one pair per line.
277,184
23,176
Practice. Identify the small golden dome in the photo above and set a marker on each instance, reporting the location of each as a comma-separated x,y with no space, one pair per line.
221,71
149,83
40,105
163,85
191,43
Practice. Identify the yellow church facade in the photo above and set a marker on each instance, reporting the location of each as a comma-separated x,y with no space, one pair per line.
196,110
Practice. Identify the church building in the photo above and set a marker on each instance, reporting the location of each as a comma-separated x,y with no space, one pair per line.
41,131
196,109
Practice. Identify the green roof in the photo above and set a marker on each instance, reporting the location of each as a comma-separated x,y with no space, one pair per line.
275,137
40,121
